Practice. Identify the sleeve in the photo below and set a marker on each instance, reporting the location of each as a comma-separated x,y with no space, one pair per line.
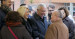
51,32
26,34
2,19
71,29
35,32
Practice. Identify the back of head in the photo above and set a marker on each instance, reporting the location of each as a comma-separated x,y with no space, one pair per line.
13,16
30,8
58,14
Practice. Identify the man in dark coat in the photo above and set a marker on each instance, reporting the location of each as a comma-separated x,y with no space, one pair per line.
39,22
4,9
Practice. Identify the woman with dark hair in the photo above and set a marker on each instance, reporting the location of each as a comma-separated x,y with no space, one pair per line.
67,21
14,28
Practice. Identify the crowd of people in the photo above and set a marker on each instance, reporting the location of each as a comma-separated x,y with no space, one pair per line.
21,25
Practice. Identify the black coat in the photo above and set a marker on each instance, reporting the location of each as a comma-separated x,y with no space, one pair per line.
27,25
19,30
3,12
69,23
39,26
2,16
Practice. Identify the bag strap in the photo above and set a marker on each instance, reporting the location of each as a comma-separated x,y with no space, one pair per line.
12,33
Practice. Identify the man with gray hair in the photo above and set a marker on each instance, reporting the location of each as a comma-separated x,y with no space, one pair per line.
39,22
57,30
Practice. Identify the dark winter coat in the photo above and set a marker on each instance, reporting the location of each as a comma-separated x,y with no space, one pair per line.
69,23
3,12
19,30
39,26
27,25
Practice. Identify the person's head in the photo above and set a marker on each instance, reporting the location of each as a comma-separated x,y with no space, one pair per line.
22,4
41,10
23,11
30,8
13,16
64,11
51,8
6,2
56,15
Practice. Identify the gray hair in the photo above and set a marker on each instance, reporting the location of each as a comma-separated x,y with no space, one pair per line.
58,13
51,6
41,5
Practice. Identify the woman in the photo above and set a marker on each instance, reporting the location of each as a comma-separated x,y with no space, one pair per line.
14,28
67,21
24,13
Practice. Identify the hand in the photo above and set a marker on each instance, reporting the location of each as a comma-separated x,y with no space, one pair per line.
37,38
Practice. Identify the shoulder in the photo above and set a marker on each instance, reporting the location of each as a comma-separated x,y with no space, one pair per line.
52,26
4,28
67,19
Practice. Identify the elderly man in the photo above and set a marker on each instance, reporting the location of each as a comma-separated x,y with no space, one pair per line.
39,22
4,9
57,30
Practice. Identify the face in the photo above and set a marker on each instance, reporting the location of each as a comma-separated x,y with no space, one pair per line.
50,10
63,13
7,3
26,13
42,11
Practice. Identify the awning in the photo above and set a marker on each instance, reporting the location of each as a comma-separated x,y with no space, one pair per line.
63,1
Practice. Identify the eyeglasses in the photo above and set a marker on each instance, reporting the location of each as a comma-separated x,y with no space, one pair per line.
50,10
28,12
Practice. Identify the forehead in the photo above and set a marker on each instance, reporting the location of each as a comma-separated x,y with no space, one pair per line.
42,8
8,0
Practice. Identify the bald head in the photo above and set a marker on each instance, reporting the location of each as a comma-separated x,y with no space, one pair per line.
58,14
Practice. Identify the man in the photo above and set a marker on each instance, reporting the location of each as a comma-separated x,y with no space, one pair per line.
51,8
57,30
39,22
4,9
30,10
